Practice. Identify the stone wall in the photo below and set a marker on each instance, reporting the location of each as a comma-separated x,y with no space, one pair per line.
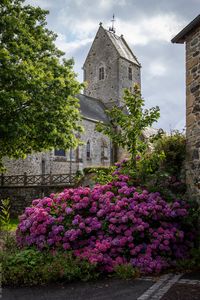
193,113
40,163
97,140
102,53
124,81
47,162
21,197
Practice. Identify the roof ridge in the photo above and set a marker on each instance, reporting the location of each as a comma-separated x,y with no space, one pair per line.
121,38
180,37
107,30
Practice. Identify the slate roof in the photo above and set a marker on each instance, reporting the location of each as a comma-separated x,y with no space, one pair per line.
92,108
122,47
180,37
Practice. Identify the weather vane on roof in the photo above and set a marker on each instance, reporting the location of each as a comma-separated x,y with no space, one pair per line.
112,28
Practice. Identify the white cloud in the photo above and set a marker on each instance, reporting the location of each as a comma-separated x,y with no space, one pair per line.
78,28
139,32
149,29
71,46
157,69
107,4
45,4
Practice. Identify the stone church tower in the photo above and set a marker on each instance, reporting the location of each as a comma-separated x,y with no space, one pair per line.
110,67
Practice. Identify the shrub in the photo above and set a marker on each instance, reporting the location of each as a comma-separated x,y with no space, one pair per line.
173,147
101,175
126,271
163,169
193,263
4,214
110,225
33,267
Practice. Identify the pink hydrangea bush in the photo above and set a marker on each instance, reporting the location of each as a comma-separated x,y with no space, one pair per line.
110,225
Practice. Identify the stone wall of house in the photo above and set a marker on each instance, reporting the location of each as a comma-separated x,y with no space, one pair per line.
193,113
76,159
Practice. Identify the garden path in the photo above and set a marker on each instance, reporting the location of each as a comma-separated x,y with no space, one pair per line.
166,287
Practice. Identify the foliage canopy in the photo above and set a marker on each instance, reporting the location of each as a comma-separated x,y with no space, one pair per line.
38,107
128,121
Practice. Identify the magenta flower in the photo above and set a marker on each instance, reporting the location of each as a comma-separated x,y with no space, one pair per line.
110,225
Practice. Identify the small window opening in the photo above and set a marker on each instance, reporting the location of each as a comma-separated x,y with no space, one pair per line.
88,150
101,73
59,152
130,73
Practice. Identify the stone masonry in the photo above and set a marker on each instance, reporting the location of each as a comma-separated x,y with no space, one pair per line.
22,197
193,111
191,36
113,54
48,162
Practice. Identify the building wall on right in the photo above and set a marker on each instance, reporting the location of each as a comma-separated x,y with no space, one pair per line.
193,113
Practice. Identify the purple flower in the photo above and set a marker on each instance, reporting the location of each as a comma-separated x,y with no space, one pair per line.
68,210
109,225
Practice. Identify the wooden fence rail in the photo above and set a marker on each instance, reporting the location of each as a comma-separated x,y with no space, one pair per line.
37,180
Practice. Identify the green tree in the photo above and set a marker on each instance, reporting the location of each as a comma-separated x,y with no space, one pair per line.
173,146
38,107
128,121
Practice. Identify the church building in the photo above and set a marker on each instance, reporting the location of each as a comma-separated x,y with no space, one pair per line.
109,68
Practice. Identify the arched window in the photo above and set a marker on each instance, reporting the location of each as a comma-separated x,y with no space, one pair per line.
88,150
101,71
104,150
79,153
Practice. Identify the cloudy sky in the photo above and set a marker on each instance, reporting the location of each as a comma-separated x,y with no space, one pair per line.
147,26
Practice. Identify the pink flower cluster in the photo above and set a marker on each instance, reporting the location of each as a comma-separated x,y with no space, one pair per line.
109,225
